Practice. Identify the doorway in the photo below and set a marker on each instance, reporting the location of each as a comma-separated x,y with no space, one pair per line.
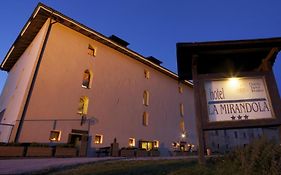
80,141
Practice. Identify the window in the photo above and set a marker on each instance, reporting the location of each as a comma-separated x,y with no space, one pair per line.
216,132
181,109
145,119
225,133
146,74
244,134
132,142
155,144
98,139
55,136
147,145
83,105
146,98
180,89
87,79
182,126
235,134
2,114
91,50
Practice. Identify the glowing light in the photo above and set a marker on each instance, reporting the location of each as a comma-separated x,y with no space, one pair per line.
233,82
183,135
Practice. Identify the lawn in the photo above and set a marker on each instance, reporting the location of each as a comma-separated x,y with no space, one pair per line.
261,157
135,167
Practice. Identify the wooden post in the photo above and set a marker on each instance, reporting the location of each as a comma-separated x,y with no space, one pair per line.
197,96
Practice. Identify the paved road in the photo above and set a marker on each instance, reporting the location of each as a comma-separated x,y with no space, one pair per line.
19,166
26,165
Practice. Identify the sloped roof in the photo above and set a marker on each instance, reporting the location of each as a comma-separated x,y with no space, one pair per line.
37,20
226,56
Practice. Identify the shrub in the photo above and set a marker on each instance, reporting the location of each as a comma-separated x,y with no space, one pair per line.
260,157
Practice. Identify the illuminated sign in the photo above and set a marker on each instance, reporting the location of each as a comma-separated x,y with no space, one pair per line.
237,99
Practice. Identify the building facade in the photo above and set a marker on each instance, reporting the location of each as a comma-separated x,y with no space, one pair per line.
69,84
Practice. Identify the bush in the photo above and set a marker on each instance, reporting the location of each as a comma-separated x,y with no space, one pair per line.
261,157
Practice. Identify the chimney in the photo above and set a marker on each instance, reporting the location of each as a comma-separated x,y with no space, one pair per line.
118,40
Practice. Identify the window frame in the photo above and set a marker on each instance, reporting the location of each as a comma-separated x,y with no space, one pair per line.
58,137
145,118
84,107
90,79
146,98
181,109
132,142
146,74
100,140
92,51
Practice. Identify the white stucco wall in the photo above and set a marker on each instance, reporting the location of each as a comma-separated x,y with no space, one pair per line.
115,99
14,93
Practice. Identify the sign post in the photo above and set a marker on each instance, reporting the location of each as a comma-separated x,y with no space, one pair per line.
234,86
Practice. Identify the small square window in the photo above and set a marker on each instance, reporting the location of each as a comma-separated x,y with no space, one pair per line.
146,74
132,142
98,139
92,51
55,136
155,144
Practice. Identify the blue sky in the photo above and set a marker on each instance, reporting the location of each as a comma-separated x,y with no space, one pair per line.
153,27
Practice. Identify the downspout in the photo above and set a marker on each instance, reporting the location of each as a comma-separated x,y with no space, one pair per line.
19,129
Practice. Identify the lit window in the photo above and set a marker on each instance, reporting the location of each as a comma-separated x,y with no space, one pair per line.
180,89
145,119
87,79
181,109
146,74
147,145
155,144
55,135
83,105
132,142
98,139
146,98
91,50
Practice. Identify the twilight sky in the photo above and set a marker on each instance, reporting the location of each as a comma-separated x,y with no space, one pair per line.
153,27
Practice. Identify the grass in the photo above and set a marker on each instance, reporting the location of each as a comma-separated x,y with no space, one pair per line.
261,157
134,167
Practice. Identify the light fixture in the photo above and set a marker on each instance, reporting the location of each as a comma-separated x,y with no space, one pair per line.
183,135
233,82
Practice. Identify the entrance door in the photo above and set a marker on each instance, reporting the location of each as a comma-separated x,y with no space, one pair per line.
80,141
